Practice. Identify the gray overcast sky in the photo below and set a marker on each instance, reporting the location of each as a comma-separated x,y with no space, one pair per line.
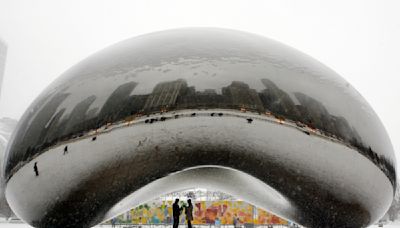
359,39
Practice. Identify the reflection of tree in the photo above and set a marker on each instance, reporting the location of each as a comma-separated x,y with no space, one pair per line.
175,95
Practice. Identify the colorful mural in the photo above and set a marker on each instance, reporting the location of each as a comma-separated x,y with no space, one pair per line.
205,212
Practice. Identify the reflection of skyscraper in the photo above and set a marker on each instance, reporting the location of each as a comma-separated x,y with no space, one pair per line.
242,96
314,113
3,53
115,105
202,99
164,95
77,117
277,100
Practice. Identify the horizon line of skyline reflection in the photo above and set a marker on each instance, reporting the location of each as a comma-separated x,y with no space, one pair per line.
54,126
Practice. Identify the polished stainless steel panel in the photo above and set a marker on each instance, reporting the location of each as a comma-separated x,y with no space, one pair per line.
198,98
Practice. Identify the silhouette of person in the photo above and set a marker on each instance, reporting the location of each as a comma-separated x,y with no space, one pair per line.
35,168
65,150
189,213
113,221
176,212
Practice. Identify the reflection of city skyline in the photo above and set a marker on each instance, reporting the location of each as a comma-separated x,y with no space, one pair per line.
177,95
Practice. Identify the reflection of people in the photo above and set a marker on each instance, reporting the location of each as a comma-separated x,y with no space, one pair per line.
176,212
217,223
35,168
189,213
113,221
140,222
235,221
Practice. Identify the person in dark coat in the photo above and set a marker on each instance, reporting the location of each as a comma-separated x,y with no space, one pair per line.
35,168
189,213
176,212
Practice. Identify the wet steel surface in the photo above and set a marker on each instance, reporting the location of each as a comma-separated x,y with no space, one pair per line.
283,119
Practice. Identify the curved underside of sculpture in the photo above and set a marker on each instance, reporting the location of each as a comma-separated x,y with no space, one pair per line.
210,108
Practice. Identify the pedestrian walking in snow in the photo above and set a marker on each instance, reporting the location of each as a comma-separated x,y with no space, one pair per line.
35,169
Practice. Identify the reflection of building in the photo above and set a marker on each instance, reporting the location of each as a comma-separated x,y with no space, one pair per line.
3,53
177,95
114,108
278,101
164,95
242,96
314,114
201,99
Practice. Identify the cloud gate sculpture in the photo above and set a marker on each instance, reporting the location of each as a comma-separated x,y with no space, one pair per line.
202,107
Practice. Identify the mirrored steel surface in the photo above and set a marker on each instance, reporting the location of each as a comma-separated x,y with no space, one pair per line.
194,98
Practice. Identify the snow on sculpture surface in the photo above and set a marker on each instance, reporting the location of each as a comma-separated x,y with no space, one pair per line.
200,107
